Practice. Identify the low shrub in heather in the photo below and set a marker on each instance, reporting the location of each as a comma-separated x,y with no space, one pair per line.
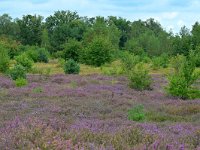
136,113
18,71
160,62
71,67
25,61
20,82
43,55
129,61
182,80
139,77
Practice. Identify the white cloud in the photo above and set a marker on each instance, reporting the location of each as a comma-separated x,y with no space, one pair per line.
170,15
180,23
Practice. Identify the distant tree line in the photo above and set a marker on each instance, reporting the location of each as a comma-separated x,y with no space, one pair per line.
66,29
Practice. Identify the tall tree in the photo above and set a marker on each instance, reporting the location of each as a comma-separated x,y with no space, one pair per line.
8,27
62,26
30,29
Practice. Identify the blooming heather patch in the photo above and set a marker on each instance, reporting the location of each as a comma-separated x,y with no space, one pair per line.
5,82
83,112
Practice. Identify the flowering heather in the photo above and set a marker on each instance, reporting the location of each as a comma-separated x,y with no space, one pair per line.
5,82
90,112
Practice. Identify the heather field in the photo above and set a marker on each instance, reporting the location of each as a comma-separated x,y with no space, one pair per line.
90,112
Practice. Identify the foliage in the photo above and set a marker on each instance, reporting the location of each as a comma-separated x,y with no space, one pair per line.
72,49
37,54
30,29
129,61
176,62
197,56
98,52
37,90
160,61
4,59
20,82
71,67
136,113
43,55
115,68
139,77
13,47
25,61
18,71
180,83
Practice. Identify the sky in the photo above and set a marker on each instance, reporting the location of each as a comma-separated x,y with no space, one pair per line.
172,14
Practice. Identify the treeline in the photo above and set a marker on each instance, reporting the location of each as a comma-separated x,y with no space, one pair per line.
63,29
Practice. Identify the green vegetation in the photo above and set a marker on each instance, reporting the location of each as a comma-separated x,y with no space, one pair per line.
20,82
136,113
180,82
4,59
71,67
24,61
18,71
139,77
107,45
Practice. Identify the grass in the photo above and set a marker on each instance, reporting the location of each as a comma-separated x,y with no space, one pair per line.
108,69
55,68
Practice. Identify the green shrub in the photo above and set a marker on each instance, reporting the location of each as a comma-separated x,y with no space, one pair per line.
129,61
4,59
115,68
160,62
139,77
19,82
31,52
43,55
181,81
37,54
136,113
23,60
177,86
37,90
176,62
71,67
197,56
18,71
72,49
97,53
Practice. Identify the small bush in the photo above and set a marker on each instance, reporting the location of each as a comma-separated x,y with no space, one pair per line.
139,77
136,113
129,61
37,54
24,61
18,71
160,62
4,59
43,55
115,68
37,90
197,56
180,82
71,67
72,49
97,53
20,82
176,62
